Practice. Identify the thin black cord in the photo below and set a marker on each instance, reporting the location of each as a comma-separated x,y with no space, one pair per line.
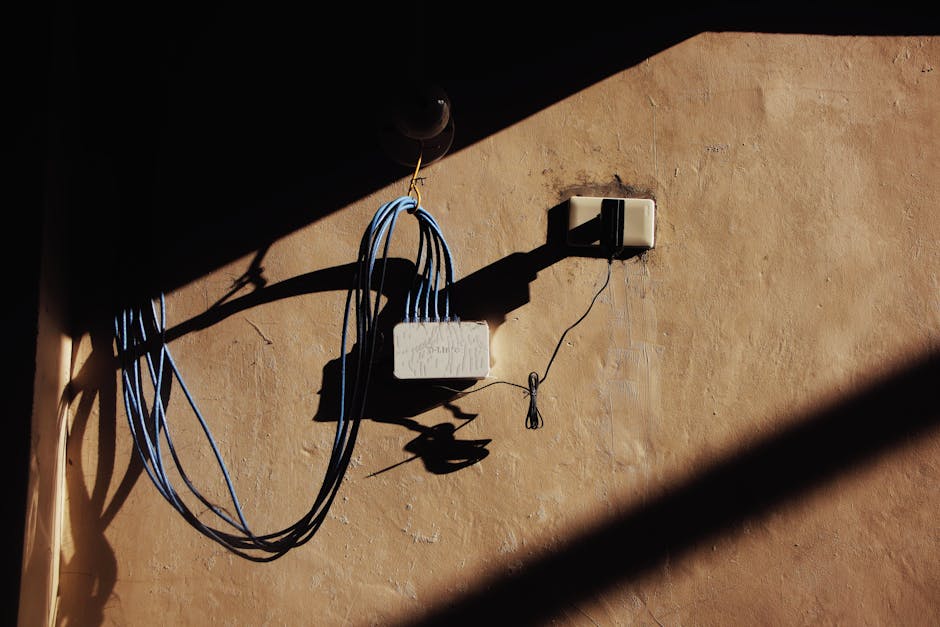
533,418
562,338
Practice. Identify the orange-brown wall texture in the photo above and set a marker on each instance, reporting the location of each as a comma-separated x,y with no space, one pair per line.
743,429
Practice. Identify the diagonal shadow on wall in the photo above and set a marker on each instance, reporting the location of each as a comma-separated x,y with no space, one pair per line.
216,130
780,468
188,152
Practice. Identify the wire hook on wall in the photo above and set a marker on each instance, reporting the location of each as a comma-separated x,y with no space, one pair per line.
413,186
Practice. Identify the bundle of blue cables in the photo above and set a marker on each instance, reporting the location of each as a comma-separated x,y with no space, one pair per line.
148,365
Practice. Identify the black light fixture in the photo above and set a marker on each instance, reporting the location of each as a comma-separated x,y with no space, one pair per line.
417,125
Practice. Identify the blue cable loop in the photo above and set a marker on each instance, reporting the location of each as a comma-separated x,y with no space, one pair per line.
140,336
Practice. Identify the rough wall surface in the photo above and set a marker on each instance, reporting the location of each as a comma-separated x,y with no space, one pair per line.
791,308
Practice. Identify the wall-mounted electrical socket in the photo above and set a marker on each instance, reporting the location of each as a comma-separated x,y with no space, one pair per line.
611,224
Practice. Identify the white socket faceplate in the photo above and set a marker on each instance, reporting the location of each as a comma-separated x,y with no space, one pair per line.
639,224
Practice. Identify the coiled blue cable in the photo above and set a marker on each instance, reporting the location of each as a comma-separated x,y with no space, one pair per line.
145,358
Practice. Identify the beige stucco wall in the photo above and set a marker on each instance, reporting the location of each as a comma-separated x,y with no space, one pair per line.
796,266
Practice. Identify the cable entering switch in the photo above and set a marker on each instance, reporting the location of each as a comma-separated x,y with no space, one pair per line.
612,217
611,224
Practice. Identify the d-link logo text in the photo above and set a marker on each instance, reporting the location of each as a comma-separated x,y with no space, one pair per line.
441,350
